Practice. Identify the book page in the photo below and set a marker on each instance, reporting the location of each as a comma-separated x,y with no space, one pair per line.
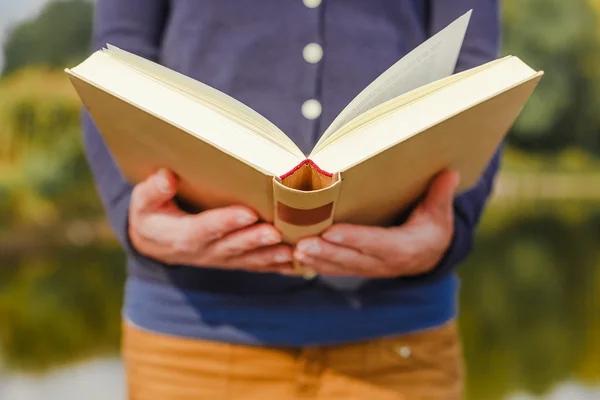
397,103
116,82
208,95
434,59
428,114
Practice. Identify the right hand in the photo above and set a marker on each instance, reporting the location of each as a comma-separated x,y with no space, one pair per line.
227,237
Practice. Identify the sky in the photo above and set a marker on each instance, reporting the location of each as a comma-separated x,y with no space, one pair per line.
13,12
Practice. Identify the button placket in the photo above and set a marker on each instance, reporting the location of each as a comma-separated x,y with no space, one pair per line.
312,53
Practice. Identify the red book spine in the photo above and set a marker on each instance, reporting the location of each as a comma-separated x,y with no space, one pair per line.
303,163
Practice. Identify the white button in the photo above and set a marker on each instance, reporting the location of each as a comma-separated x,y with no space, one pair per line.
312,3
403,351
312,53
311,109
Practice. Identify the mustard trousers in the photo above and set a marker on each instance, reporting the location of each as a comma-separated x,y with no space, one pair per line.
425,365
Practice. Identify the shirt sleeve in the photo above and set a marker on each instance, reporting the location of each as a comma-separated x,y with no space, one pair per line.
135,26
481,45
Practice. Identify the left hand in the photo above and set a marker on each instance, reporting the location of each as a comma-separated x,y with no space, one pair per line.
413,248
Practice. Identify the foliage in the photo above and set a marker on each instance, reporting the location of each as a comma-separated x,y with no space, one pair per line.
60,307
559,37
570,159
528,301
60,35
44,177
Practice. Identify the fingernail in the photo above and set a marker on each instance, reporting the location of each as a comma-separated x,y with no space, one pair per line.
246,219
311,247
282,257
162,182
269,239
333,237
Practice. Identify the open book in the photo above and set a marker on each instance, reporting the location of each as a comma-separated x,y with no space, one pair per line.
373,161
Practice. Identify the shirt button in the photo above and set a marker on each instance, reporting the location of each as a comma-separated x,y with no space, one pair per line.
311,109
312,3
312,53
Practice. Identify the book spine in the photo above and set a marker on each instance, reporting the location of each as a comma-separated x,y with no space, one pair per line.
299,213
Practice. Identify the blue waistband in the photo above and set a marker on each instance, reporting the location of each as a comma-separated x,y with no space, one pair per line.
313,315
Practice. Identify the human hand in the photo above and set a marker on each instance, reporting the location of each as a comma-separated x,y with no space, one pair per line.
376,252
226,238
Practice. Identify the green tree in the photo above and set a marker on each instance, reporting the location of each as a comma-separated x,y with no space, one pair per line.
57,37
559,37
44,177
61,306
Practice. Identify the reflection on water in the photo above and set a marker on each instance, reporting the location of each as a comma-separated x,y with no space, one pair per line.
530,308
95,380
565,391
59,307
103,379
530,312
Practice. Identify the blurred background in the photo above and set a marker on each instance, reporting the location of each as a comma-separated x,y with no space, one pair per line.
530,304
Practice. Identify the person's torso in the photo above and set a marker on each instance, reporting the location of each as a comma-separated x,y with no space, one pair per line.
255,52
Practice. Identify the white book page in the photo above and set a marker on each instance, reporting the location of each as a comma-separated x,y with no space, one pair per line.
433,60
208,95
182,111
422,114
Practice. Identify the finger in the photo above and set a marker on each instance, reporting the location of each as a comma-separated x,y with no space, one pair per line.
158,227
369,240
440,195
162,236
263,258
348,260
325,268
212,225
187,233
244,240
153,192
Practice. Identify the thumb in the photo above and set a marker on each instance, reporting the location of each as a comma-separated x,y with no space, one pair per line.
154,192
440,196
